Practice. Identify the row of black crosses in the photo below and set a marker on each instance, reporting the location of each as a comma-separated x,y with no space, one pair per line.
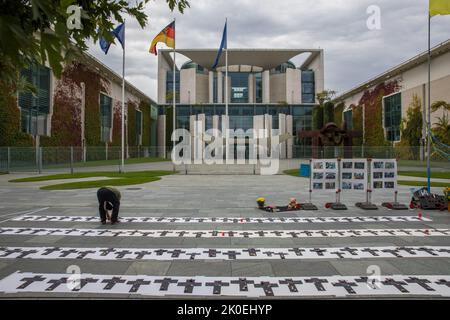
217,233
243,283
225,220
214,253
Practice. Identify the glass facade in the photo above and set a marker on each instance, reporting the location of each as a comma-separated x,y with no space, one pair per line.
239,87
105,117
348,119
258,87
393,116
34,109
169,86
308,87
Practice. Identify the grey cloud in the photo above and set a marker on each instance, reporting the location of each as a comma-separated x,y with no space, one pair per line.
353,53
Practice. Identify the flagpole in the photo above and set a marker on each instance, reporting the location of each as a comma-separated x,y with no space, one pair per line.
122,161
429,108
226,71
174,93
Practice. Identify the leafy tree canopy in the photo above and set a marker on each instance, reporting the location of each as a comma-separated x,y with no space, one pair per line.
38,30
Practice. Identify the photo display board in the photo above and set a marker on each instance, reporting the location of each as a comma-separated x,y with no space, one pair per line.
384,174
354,174
324,174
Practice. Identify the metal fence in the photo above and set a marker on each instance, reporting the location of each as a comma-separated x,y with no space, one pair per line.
31,159
67,159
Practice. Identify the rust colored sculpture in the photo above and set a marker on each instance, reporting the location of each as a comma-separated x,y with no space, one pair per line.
330,136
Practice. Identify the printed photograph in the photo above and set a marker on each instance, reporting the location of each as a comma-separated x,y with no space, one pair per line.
330,185
347,165
346,185
389,165
378,165
330,176
359,175
346,175
378,175
389,175
378,184
331,165
317,185
318,165
318,175
360,165
389,185
358,186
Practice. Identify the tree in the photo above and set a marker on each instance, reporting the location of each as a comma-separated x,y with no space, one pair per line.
440,104
317,117
411,127
328,112
39,30
442,129
325,96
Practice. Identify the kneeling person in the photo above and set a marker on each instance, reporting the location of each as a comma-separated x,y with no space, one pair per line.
108,200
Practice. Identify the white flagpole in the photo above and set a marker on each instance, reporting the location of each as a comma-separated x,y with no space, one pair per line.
429,108
174,93
226,72
122,162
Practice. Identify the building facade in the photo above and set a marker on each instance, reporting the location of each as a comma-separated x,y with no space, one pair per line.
82,109
394,92
265,91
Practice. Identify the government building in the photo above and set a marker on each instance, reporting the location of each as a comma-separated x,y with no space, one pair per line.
266,90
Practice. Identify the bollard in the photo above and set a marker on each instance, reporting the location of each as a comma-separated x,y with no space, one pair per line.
71,160
8,160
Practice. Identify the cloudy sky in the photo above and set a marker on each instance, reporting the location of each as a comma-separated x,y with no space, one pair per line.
353,53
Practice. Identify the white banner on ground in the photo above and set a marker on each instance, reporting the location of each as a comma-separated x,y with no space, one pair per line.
324,174
354,174
384,174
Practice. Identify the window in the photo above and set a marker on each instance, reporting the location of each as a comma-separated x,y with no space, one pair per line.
138,128
35,108
169,87
258,87
105,117
239,87
348,119
393,116
308,87
215,88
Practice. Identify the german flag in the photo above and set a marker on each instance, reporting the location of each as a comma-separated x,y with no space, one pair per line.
167,35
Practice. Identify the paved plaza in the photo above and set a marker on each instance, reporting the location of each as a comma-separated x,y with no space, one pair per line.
201,236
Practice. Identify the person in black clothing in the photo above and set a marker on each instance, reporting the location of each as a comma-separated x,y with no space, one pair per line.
108,200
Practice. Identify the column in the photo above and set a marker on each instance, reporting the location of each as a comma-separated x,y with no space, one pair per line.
161,123
251,88
219,87
202,119
266,86
192,119
225,126
268,131
282,131
290,131
211,87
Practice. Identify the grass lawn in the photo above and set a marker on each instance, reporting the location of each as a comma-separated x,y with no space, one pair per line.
436,175
293,173
417,163
118,179
423,184
98,163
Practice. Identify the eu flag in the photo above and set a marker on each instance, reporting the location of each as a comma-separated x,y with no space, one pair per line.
119,33
223,45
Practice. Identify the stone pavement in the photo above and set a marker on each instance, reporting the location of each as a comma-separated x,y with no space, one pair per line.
46,235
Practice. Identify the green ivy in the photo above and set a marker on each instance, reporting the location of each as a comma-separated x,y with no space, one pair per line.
338,113
146,123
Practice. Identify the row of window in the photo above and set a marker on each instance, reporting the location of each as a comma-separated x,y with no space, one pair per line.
392,117
240,87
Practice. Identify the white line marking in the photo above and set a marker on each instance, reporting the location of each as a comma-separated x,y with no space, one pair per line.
337,233
169,254
335,286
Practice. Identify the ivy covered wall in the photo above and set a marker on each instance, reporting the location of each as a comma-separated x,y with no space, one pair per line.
10,133
372,102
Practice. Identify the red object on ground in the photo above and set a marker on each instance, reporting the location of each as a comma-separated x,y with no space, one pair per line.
420,215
